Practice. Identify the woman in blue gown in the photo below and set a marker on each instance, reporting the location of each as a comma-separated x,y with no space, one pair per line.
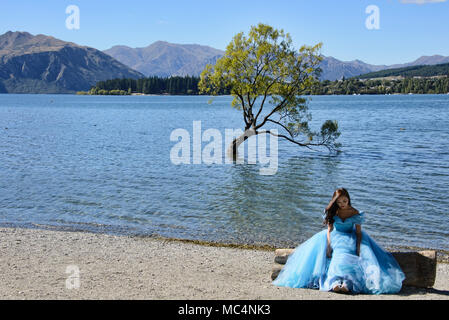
342,258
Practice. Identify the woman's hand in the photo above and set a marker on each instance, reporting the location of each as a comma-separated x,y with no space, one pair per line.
334,198
337,193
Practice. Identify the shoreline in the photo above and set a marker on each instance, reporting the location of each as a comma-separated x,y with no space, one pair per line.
442,255
223,95
38,264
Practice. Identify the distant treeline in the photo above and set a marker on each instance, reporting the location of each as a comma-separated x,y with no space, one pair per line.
189,86
410,72
382,86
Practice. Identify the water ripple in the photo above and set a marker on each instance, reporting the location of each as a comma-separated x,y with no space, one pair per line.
102,163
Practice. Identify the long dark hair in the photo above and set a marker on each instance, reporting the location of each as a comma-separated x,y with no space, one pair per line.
330,214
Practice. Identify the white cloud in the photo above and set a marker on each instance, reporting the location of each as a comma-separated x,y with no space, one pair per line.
421,1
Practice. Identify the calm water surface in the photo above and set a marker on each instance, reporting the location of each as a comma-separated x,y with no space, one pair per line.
103,164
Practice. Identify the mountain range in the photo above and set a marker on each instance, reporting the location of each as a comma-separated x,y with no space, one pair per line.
168,59
43,64
334,69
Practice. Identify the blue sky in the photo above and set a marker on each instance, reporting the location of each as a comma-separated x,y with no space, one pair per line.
407,30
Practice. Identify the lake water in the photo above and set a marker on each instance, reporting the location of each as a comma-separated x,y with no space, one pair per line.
102,164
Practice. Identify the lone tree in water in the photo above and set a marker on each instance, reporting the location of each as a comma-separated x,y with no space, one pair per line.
266,77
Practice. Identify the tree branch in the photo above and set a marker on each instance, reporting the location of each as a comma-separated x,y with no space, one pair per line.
265,96
245,114
277,108
307,145
280,124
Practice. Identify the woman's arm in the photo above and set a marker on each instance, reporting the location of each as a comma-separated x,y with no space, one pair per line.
330,227
334,198
358,233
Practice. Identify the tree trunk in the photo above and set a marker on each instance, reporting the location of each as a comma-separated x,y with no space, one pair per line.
233,147
419,267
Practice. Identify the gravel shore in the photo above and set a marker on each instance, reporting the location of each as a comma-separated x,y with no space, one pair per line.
44,264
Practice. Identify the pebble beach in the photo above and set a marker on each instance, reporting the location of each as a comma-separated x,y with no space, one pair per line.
50,264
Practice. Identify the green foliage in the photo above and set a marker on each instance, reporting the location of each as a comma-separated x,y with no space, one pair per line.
326,87
187,85
410,72
378,86
329,130
264,65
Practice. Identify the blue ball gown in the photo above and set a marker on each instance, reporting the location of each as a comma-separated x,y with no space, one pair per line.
375,271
